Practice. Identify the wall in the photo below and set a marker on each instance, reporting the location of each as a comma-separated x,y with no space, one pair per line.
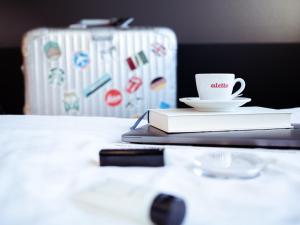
195,21
204,28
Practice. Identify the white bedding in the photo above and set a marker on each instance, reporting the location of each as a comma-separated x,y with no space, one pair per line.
45,161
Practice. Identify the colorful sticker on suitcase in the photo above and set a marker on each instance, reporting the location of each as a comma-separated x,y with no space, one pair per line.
102,38
52,50
56,76
164,105
159,49
108,53
113,98
158,83
129,106
135,116
71,102
133,103
137,60
104,79
134,84
81,59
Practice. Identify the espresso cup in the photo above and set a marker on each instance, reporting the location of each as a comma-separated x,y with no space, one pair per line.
218,86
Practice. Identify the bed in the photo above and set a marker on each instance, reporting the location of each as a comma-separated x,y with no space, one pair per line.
45,161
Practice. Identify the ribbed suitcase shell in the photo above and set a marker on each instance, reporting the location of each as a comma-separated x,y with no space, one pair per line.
99,71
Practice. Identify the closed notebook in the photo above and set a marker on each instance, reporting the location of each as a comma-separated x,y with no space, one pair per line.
244,118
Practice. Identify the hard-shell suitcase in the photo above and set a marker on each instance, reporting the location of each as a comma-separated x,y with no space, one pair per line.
99,70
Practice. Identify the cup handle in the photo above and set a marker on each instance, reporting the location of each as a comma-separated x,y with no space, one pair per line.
243,85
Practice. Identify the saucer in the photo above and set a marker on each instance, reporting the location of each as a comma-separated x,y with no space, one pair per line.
215,105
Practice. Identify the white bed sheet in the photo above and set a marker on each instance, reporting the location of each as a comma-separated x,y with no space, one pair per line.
45,161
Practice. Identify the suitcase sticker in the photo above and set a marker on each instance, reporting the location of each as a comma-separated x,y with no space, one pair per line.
56,76
113,98
81,59
104,79
71,102
134,84
52,50
137,60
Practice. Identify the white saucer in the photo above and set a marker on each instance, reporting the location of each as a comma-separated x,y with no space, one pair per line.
215,105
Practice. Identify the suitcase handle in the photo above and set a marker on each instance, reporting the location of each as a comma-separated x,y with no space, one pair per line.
113,22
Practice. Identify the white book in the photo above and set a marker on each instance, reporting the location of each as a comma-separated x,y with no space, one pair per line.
244,118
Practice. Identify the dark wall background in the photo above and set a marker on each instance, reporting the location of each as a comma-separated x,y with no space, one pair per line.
258,40
195,21
271,71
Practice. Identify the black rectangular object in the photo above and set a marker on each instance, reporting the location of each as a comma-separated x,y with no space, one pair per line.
274,138
153,157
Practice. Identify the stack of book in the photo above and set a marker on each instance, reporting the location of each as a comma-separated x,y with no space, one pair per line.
244,118
243,127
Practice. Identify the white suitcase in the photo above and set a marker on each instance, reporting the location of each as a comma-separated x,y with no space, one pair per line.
99,71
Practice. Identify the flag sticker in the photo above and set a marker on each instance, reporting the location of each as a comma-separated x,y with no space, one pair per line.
52,50
158,83
104,79
137,60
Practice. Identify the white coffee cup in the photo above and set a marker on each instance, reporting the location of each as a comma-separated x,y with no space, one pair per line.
218,86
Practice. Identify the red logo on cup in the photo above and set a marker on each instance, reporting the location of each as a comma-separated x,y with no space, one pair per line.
134,84
219,85
113,97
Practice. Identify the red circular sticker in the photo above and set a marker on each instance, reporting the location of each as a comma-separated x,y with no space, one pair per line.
113,97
